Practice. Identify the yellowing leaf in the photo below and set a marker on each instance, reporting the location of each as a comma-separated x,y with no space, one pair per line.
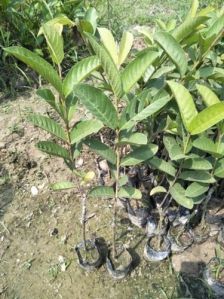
109,43
125,47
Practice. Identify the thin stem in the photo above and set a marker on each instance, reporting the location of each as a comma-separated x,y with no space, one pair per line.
83,220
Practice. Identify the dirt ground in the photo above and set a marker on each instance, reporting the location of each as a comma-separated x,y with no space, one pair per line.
38,232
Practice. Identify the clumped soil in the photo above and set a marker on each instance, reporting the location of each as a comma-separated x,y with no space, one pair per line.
38,232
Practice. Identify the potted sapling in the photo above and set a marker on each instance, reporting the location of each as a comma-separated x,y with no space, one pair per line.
68,135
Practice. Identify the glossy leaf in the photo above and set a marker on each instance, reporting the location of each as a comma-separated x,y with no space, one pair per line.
173,50
197,163
173,148
178,194
84,129
108,65
101,149
207,118
38,64
208,96
48,125
197,176
79,72
146,112
157,189
206,144
62,186
162,165
133,138
102,192
109,43
136,68
53,149
125,46
139,155
185,102
98,104
196,189
219,169
129,192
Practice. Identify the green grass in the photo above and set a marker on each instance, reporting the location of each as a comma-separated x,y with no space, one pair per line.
125,13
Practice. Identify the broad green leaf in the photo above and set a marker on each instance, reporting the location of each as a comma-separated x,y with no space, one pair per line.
49,97
133,138
146,112
196,189
139,155
173,50
136,68
207,145
71,105
147,33
125,46
185,102
129,192
62,186
219,169
197,176
48,125
197,163
84,129
215,73
162,165
98,104
158,189
123,180
207,118
109,43
102,192
102,149
38,64
61,19
108,65
79,72
91,17
173,148
215,28
178,194
161,24
188,27
53,36
208,96
53,149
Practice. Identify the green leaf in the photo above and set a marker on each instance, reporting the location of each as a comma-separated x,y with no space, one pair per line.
207,118
178,194
162,165
62,186
98,104
219,169
185,102
158,189
53,149
109,43
102,192
146,112
188,27
49,97
91,17
197,163
196,189
108,66
136,68
133,138
102,149
48,125
60,20
129,192
139,155
125,46
38,64
53,36
215,28
84,129
193,10
79,72
197,176
123,180
173,148
208,96
205,144
214,73
173,50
